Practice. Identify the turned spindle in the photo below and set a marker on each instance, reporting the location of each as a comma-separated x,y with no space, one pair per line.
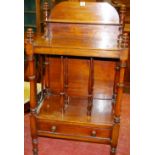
41,69
120,38
45,11
122,15
47,75
66,80
62,94
90,87
120,83
119,92
120,87
29,35
45,17
125,40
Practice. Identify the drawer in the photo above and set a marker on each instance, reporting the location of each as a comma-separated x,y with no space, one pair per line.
71,129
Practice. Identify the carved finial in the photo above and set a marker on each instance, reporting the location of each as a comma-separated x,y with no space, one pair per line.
29,41
45,10
125,42
29,35
45,17
122,14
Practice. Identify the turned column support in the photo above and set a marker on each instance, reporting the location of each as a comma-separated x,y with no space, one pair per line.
118,89
31,65
90,87
47,75
66,81
62,80
33,89
42,72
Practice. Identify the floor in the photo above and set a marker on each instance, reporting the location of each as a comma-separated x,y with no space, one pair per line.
49,146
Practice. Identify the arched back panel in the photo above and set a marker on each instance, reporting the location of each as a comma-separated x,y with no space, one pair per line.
86,11
104,34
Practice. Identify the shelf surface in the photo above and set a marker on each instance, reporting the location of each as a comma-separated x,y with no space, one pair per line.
76,111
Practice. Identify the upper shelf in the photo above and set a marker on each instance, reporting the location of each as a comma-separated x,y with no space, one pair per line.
82,25
81,29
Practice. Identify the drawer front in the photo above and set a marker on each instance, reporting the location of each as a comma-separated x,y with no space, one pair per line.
74,130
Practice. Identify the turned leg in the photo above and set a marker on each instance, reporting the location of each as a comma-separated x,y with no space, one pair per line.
34,134
33,88
117,108
115,134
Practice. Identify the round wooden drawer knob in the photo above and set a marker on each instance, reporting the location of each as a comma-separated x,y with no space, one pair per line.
93,133
53,128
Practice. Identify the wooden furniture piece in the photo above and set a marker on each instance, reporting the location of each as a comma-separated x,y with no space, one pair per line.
79,101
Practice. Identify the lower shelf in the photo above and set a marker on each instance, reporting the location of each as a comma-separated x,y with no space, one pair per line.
76,110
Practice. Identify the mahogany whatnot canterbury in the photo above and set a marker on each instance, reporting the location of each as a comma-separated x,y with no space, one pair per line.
78,101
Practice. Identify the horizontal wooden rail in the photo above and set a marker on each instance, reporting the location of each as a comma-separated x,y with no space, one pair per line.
81,22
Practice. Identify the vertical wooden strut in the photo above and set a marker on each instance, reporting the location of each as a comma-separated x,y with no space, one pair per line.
66,80
42,61
40,70
90,87
33,93
47,74
62,94
120,86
